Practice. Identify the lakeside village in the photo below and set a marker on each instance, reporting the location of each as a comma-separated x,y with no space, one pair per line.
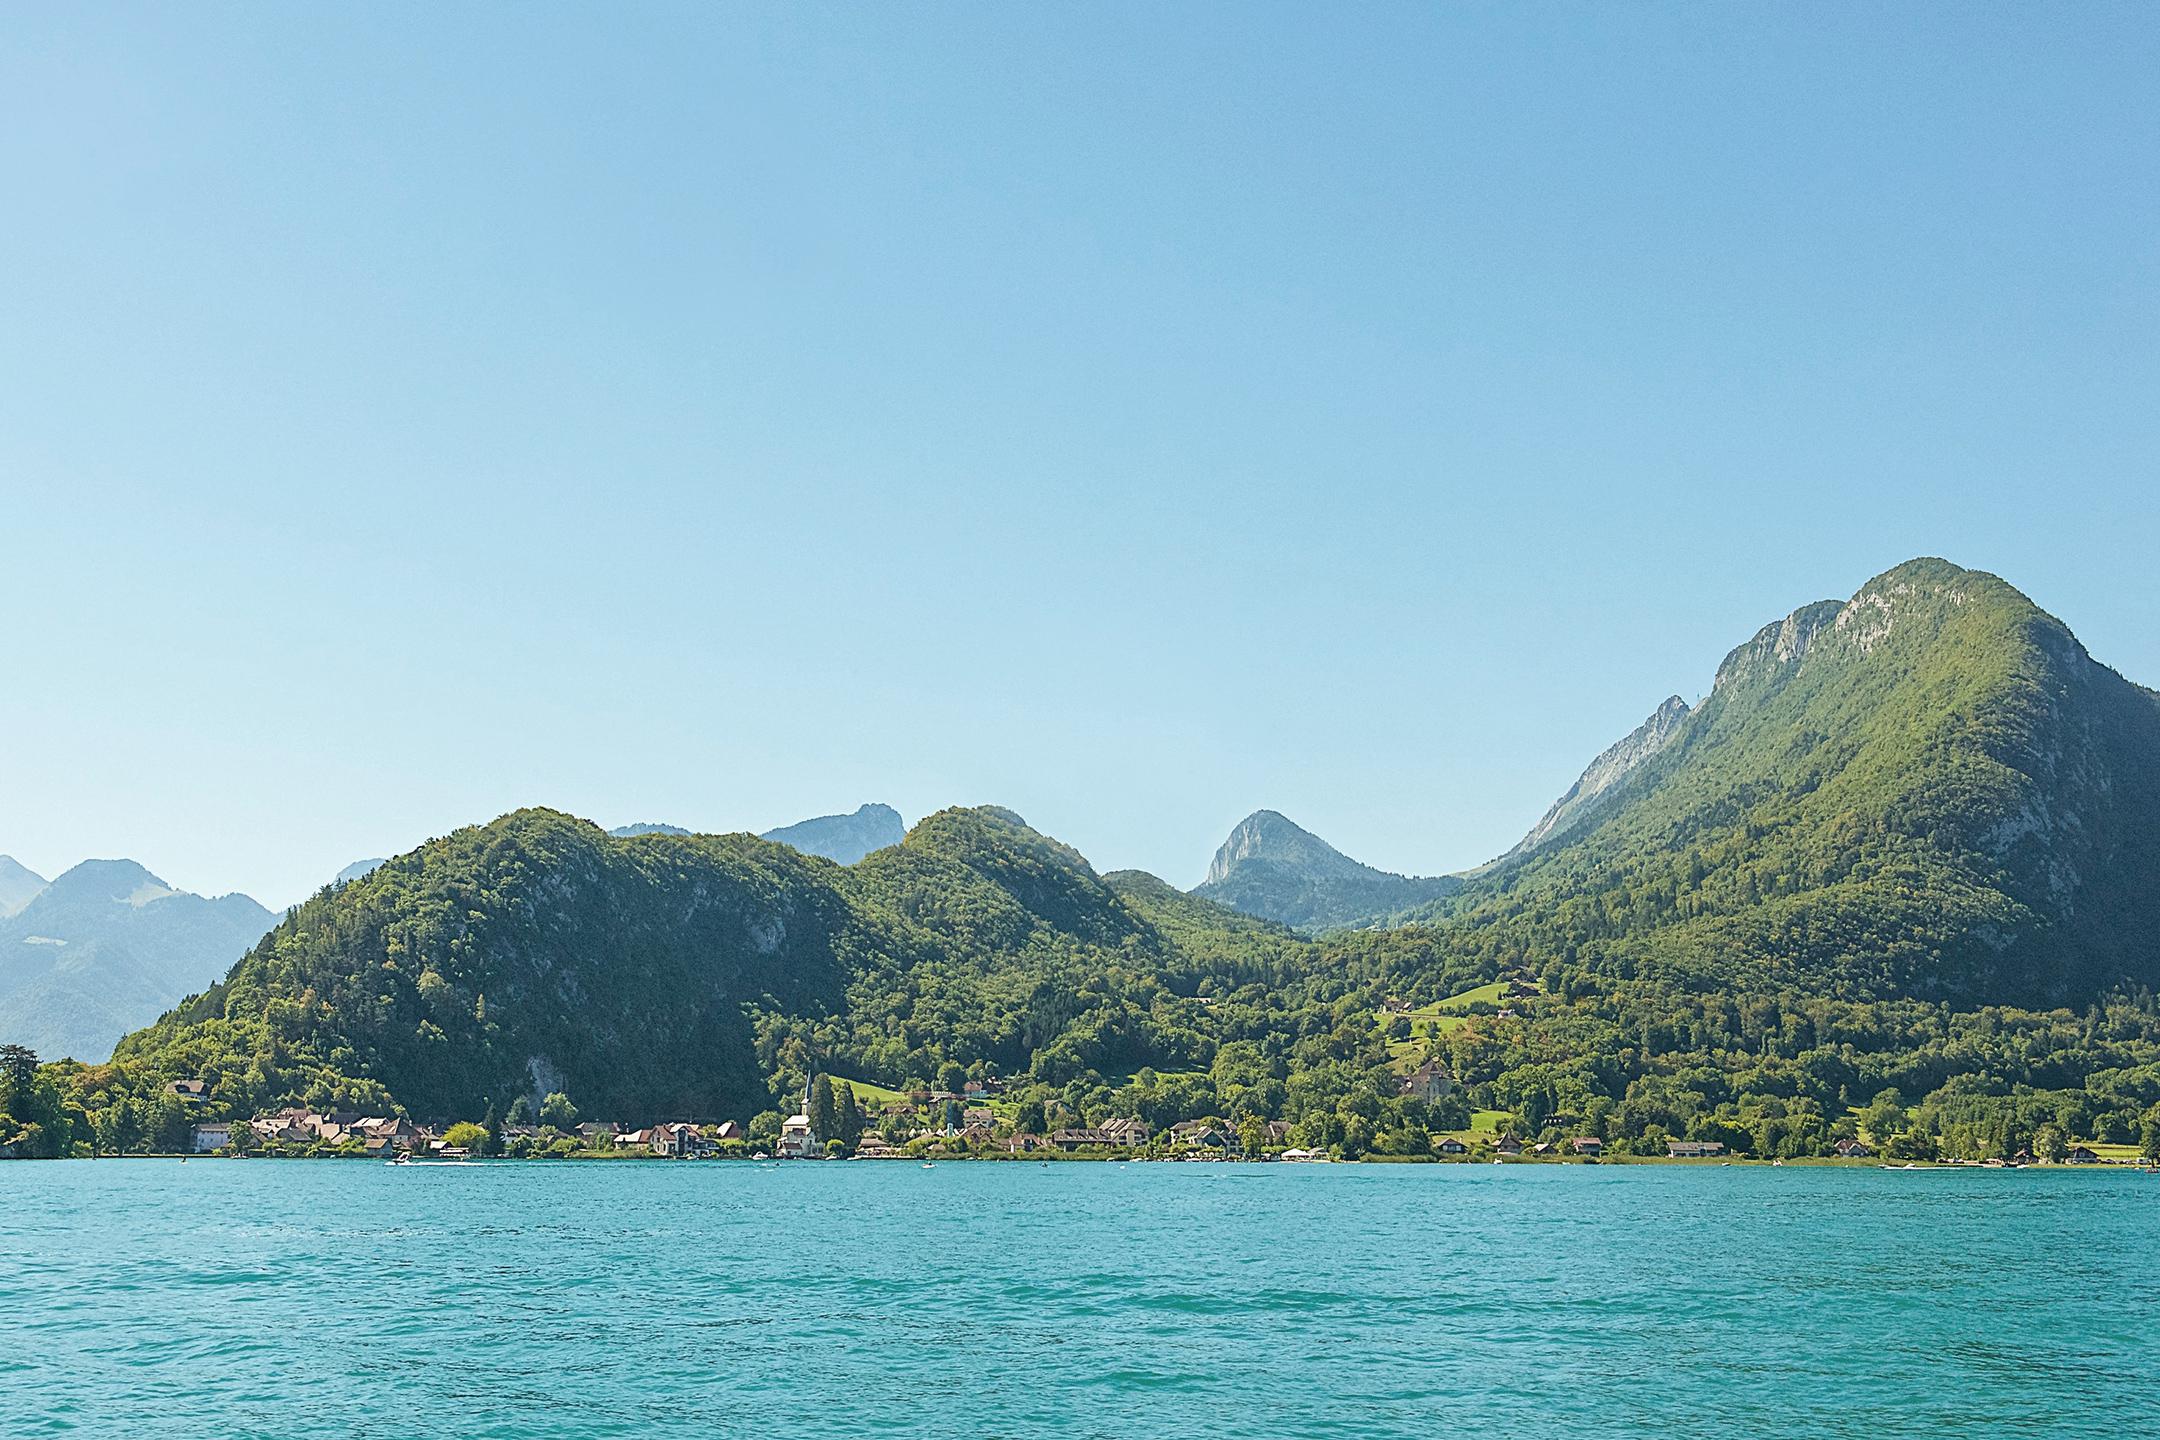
834,1124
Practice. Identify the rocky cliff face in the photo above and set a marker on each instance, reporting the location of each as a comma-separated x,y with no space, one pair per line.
1275,869
1612,766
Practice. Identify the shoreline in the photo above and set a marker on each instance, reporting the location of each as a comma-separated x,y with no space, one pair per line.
1609,1162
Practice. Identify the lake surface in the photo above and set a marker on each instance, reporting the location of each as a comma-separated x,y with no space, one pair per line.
259,1298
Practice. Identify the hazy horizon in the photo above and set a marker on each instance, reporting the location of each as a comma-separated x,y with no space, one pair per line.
728,417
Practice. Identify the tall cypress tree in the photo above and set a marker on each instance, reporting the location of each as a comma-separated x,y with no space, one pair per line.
823,1121
848,1116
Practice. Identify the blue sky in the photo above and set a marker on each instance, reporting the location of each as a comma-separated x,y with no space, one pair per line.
1134,415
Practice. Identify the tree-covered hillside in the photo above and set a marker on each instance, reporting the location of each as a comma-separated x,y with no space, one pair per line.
708,975
1929,790
526,955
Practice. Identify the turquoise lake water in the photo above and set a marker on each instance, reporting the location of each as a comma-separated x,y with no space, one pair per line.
260,1298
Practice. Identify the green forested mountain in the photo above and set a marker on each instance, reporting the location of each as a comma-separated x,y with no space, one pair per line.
1928,790
706,974
1907,844
529,954
1276,869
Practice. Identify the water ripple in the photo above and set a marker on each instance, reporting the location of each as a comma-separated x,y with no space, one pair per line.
145,1300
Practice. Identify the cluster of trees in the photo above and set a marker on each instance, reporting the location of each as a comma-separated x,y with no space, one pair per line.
1787,1074
36,1122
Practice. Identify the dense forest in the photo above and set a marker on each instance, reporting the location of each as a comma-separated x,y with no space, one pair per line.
1894,878
1929,790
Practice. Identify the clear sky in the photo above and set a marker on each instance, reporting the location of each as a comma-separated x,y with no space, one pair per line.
1134,415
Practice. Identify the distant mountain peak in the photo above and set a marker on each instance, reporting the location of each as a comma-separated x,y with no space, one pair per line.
1272,867
19,885
106,947
646,827
359,869
123,881
845,839
1272,835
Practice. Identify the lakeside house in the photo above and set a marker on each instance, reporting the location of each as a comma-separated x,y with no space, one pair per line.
1074,1138
1205,1135
1508,1145
215,1135
2081,1155
295,1126
1587,1145
679,1140
1854,1149
1694,1149
1452,1146
1131,1131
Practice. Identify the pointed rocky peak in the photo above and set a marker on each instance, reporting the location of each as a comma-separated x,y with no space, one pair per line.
1274,868
1269,835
